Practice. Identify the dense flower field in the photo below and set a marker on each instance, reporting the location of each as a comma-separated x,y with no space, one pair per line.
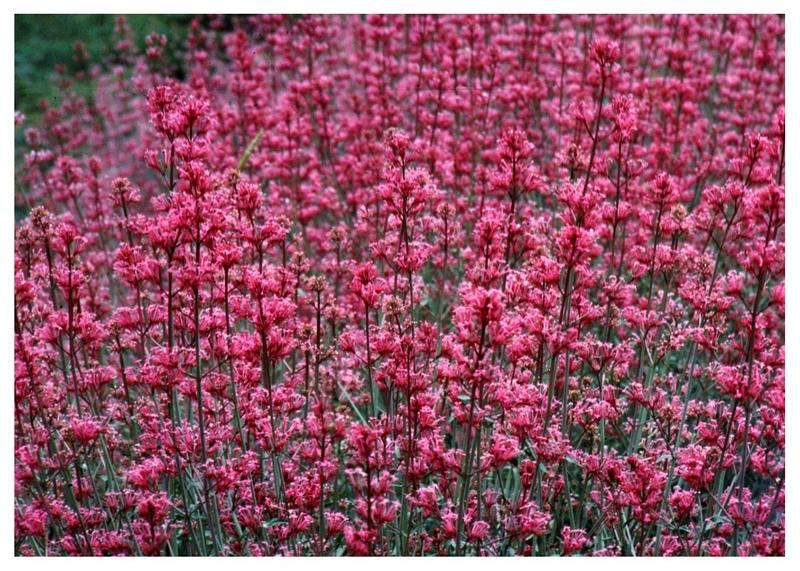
406,285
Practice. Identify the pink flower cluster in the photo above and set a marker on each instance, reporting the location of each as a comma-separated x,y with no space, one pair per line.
406,285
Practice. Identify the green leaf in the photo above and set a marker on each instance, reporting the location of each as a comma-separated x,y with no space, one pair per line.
249,150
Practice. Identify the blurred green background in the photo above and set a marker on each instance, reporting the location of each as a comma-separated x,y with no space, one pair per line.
43,40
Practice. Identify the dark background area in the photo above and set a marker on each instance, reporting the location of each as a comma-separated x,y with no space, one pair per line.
43,40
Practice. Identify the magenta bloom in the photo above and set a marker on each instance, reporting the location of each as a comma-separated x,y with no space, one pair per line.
405,285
